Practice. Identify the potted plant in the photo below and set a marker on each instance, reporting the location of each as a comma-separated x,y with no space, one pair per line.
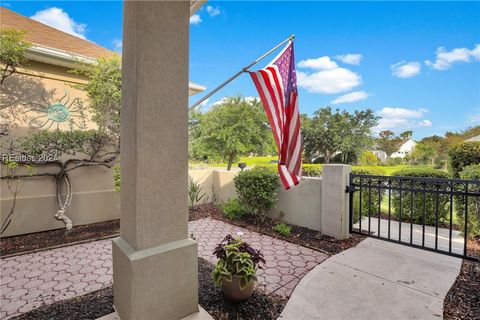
236,268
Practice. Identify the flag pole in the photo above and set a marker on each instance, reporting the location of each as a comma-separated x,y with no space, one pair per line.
244,69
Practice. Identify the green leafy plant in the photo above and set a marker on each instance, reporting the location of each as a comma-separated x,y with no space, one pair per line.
462,155
473,229
59,153
283,229
416,213
367,158
236,259
13,48
257,189
196,193
311,170
233,209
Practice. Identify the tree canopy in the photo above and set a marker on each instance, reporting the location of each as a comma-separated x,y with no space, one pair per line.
104,90
388,142
13,47
232,128
329,133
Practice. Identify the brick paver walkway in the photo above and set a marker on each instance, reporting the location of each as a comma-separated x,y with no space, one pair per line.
286,263
31,280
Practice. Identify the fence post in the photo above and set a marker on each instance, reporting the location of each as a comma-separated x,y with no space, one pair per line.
335,201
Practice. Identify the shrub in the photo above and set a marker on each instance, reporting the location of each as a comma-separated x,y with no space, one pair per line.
282,228
308,169
462,155
473,229
374,208
236,258
430,201
367,158
233,209
311,170
257,189
271,167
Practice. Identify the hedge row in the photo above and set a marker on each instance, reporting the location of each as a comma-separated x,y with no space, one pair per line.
470,173
417,213
462,155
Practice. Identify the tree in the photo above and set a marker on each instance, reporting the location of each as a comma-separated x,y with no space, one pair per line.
57,153
13,47
104,90
232,128
423,153
388,142
406,135
329,133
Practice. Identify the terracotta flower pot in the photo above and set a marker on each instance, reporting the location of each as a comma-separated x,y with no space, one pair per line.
232,291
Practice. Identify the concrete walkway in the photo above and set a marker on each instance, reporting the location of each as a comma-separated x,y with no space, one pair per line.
417,229
31,280
375,280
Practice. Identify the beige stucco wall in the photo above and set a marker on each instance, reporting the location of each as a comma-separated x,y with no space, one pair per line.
94,198
300,205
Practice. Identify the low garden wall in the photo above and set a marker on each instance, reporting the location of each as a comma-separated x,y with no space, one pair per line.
300,205
95,200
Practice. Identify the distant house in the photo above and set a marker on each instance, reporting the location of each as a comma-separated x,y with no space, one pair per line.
405,149
474,139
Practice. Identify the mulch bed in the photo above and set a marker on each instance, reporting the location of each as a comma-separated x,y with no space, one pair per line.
60,237
299,235
90,306
259,306
463,299
99,303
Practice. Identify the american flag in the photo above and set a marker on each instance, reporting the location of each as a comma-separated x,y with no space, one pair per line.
277,86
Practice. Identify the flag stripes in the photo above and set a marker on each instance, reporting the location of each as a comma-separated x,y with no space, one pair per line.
276,85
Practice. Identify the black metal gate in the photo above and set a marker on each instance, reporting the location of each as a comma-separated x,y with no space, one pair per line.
426,213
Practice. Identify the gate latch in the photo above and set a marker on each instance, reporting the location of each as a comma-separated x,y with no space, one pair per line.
350,189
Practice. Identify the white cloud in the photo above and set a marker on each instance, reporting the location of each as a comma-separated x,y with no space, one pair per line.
195,19
322,63
117,45
445,59
213,11
327,77
425,123
405,69
401,119
59,19
350,58
475,118
351,97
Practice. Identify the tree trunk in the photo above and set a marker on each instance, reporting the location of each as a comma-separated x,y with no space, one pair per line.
230,161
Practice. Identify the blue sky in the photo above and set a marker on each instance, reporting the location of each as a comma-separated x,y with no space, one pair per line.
415,64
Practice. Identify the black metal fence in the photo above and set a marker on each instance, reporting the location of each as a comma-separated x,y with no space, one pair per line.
433,214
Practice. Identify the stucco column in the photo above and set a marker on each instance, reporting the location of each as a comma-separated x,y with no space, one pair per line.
335,201
154,261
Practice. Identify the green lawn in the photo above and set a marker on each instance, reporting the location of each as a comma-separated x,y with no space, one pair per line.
250,161
389,170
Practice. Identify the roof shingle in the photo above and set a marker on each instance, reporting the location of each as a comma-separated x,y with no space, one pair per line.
43,35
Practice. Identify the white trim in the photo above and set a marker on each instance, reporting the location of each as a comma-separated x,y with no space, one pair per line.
69,60
56,57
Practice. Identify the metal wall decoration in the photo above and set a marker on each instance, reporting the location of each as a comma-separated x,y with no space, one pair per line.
65,111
